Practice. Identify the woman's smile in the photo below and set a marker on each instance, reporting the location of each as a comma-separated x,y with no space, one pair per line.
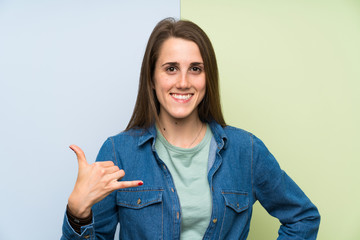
181,97
179,79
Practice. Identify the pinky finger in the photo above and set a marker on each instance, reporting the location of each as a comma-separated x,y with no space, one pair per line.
127,184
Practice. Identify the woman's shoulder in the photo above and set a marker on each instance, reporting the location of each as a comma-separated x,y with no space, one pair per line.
231,132
239,135
237,131
131,137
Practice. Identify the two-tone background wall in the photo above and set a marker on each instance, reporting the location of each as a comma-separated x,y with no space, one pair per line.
289,71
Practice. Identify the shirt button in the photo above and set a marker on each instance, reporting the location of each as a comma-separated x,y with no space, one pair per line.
87,236
177,215
164,167
214,220
139,201
172,189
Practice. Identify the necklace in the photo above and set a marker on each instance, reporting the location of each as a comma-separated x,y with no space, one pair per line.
197,136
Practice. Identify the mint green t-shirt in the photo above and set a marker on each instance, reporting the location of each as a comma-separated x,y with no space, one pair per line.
188,168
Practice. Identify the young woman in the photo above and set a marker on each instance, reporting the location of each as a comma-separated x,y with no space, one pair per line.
188,174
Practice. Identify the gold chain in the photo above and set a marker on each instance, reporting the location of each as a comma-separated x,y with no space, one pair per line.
197,136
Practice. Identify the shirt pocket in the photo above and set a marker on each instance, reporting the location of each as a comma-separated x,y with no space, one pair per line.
137,199
140,209
236,200
236,214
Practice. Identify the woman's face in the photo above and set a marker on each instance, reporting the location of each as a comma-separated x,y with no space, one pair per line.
179,79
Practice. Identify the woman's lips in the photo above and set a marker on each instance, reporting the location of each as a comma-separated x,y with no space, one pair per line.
181,97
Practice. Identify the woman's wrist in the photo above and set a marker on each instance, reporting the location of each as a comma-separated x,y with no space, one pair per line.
78,220
77,209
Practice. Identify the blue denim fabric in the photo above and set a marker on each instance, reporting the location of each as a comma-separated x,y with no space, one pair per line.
241,171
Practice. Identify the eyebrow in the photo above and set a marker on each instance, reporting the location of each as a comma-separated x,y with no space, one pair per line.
170,63
196,64
176,64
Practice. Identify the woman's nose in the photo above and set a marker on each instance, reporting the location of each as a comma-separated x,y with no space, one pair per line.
183,81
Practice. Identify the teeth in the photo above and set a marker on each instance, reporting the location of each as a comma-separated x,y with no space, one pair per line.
182,97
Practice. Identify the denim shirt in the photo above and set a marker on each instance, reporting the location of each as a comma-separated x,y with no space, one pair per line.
241,171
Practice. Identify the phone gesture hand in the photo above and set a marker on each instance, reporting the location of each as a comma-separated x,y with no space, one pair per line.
94,182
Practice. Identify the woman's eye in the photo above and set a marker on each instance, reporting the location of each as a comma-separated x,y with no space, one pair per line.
171,69
195,69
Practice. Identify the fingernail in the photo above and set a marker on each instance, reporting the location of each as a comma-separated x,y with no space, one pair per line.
140,183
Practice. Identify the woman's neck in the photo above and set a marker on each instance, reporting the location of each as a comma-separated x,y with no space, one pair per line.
184,133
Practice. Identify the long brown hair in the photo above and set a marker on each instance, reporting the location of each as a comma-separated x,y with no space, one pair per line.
147,106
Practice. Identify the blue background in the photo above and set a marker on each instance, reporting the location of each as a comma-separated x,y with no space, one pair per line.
68,75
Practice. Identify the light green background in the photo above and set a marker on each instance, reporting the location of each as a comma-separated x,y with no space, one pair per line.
290,73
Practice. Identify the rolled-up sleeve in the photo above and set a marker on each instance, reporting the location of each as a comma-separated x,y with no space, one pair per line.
282,197
87,232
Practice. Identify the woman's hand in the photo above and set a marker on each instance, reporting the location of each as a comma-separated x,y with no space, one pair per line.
94,182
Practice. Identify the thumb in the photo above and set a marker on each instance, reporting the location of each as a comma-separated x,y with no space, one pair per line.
79,154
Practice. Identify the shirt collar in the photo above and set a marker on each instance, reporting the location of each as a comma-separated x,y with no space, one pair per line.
219,134
148,134
216,129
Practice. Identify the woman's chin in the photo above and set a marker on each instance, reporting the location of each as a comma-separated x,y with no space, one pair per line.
182,116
